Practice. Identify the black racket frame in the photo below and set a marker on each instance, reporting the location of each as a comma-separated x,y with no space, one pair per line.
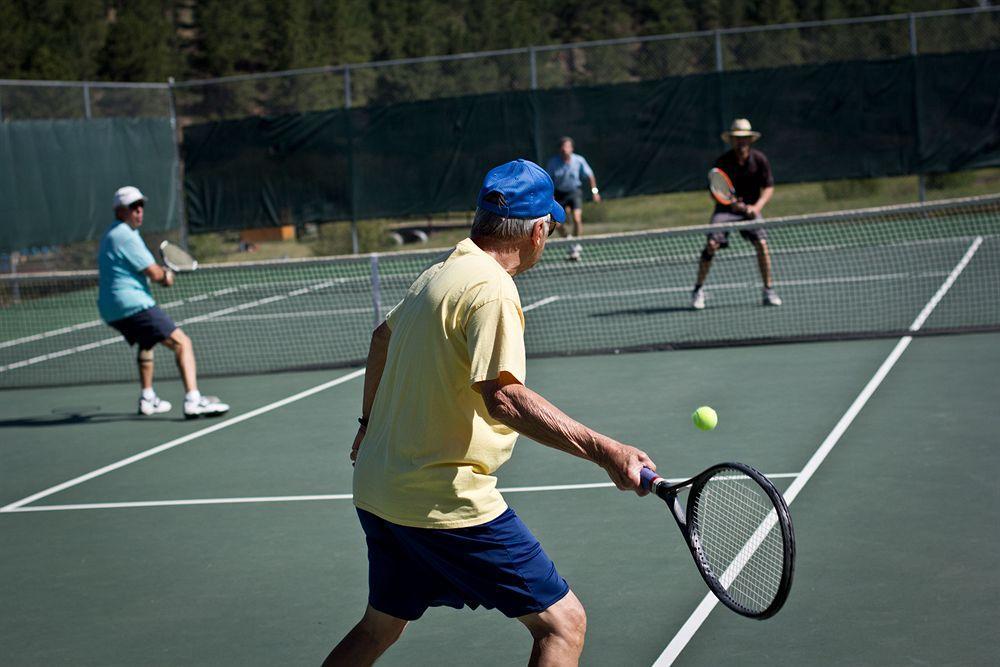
668,493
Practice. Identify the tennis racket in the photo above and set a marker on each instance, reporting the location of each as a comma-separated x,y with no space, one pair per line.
721,187
176,258
738,529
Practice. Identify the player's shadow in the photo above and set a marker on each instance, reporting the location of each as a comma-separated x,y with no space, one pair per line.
663,310
71,419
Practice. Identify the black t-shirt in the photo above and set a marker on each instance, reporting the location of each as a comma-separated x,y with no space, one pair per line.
749,178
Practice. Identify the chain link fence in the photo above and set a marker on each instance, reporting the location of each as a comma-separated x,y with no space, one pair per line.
537,67
582,64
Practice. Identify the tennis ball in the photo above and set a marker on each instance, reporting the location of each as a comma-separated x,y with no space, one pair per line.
705,418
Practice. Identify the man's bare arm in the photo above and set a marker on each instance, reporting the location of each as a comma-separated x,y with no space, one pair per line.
160,275
511,403
377,352
765,196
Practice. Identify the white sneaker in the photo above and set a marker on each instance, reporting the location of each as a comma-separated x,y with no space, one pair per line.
575,253
153,406
698,299
206,406
771,297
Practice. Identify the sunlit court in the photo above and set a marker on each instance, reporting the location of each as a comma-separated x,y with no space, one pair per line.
450,333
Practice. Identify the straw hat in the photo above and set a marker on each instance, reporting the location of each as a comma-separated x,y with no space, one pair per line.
740,128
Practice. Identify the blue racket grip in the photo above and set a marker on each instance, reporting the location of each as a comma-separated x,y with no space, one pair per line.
647,477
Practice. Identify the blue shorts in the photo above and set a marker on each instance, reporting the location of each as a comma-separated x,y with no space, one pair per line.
147,327
498,565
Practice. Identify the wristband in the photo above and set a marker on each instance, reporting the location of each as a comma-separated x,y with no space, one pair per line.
363,421
594,191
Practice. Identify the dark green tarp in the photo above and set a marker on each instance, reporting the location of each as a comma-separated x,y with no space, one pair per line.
57,177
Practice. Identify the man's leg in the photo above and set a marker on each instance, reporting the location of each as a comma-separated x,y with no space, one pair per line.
149,402
763,261
184,356
367,640
578,222
704,264
145,362
558,632
770,297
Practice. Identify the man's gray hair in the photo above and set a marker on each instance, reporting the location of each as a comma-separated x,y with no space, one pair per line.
488,224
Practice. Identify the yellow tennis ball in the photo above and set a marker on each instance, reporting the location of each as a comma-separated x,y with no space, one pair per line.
705,418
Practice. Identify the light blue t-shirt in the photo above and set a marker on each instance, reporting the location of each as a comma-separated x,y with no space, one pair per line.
568,176
123,288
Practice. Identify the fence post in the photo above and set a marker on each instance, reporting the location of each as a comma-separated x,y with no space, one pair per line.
921,177
718,51
86,101
178,166
534,67
347,86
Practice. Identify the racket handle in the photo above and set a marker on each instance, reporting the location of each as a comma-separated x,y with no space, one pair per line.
648,477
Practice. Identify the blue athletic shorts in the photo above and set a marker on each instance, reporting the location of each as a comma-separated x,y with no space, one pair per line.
147,327
498,565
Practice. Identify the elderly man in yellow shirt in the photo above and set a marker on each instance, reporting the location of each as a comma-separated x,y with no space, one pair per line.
444,401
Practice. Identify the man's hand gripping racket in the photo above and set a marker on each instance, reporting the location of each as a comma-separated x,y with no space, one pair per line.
737,527
722,190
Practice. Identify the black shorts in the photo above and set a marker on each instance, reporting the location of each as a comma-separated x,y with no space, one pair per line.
722,238
147,327
572,199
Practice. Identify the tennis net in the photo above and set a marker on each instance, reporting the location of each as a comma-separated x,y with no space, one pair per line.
853,274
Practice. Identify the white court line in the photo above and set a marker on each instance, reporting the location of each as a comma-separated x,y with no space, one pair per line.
690,627
191,320
180,441
293,499
541,302
94,323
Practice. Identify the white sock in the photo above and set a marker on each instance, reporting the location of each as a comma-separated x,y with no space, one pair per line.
148,394
192,396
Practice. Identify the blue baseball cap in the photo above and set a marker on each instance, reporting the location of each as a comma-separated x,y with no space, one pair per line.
525,191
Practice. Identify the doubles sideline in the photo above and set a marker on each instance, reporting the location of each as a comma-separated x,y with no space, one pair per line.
701,612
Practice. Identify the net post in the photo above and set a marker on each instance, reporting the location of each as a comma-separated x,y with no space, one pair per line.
376,291
182,239
15,290
86,101
1,104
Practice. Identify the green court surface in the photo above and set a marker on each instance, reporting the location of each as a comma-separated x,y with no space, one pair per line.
240,546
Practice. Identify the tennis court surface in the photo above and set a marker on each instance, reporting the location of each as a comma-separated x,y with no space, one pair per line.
134,540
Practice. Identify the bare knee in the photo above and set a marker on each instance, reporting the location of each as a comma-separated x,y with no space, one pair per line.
564,622
178,341
380,629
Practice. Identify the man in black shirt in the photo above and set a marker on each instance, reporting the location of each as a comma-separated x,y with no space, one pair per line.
750,172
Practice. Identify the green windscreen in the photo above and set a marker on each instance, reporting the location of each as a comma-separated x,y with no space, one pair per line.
57,177
925,114
866,273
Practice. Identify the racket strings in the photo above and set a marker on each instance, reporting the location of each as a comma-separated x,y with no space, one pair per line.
734,519
177,257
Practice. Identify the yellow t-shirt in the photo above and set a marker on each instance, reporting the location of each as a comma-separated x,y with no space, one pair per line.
428,457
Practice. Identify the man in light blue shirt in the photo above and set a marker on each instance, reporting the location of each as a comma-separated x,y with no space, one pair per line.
568,171
125,267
